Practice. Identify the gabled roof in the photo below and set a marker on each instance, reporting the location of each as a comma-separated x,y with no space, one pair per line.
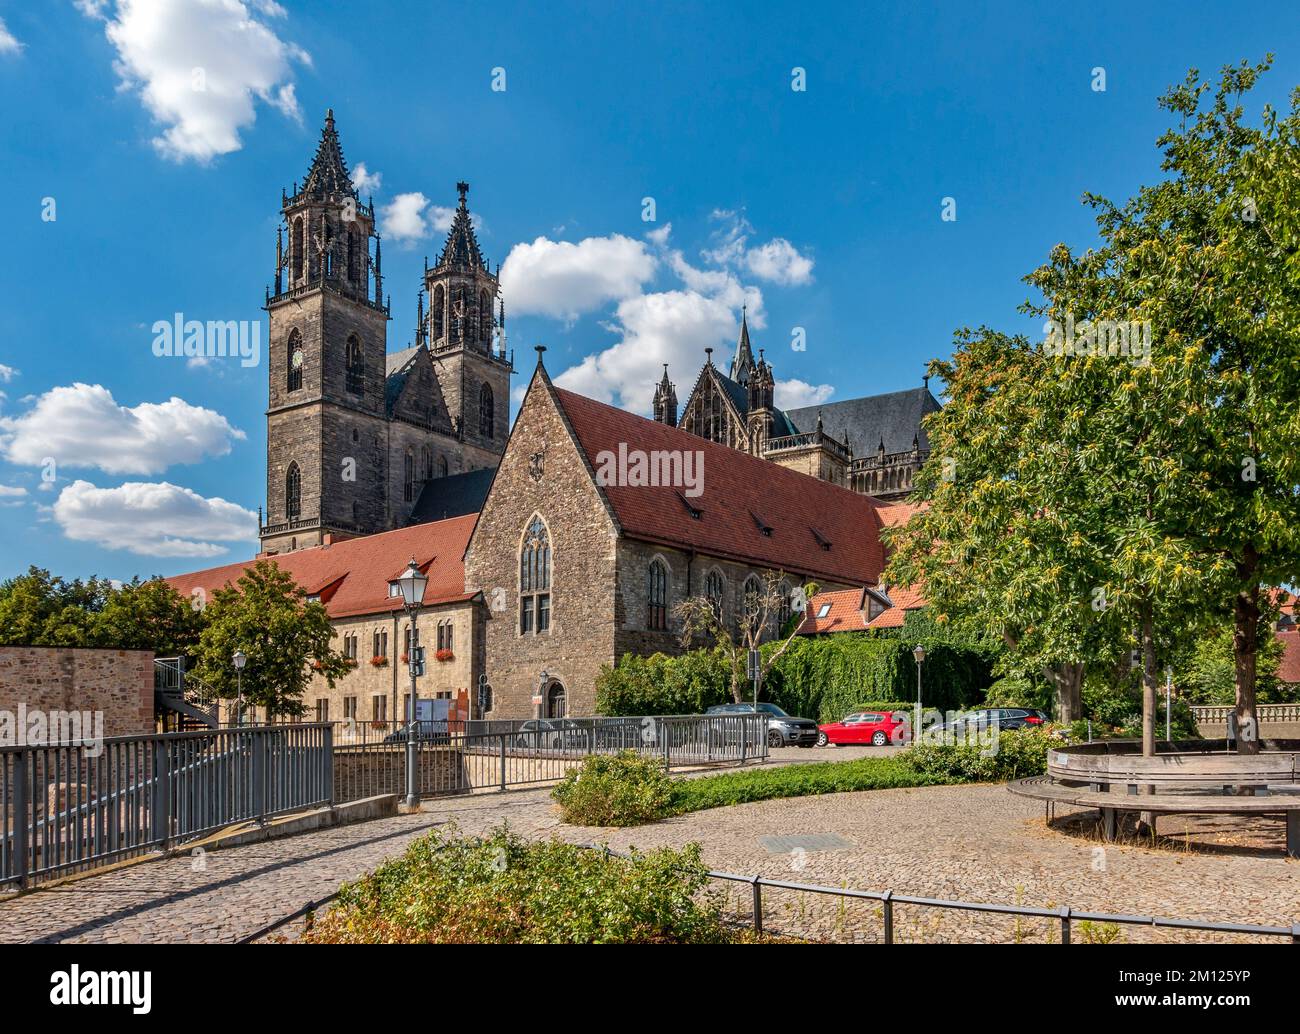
848,610
396,366
738,395
329,172
461,250
453,496
351,577
895,417
742,365
738,490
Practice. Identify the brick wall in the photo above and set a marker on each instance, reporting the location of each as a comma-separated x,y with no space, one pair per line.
117,682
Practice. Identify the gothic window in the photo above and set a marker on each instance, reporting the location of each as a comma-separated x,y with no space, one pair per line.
426,463
442,466
408,476
485,412
752,598
783,608
657,595
297,249
457,314
438,310
484,316
293,493
293,360
535,579
352,257
713,589
356,369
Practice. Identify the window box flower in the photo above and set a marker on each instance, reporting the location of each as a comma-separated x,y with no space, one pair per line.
379,661
444,655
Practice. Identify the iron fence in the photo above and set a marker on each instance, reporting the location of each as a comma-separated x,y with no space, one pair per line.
461,757
67,807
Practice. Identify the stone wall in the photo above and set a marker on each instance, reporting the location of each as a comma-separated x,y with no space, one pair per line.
118,683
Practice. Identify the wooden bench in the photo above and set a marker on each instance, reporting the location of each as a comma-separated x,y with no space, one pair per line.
1113,804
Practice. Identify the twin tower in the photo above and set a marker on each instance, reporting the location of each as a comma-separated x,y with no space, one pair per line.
358,438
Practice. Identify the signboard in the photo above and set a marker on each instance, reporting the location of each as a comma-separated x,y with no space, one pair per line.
755,665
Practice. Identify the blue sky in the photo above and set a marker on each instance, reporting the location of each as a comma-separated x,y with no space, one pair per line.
819,208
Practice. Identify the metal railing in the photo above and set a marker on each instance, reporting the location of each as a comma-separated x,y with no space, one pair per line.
461,757
1264,712
68,807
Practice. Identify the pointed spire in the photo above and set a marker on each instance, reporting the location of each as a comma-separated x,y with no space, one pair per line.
329,172
379,273
419,320
743,365
501,330
461,249
882,445
665,401
279,259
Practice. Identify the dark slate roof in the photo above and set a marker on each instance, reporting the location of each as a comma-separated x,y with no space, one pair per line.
739,395
895,416
395,370
452,496
461,249
329,172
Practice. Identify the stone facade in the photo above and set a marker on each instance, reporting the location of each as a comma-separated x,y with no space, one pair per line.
118,683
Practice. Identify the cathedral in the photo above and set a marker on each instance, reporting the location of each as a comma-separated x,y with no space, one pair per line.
835,442
361,440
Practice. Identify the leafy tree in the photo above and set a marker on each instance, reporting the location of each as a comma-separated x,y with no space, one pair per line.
266,614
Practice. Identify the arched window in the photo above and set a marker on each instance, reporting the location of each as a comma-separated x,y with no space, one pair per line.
426,463
783,608
356,368
293,361
484,316
535,579
442,466
408,476
657,595
751,600
297,249
293,493
486,412
438,310
713,591
352,257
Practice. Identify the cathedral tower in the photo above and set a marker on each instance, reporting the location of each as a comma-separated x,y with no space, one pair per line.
326,468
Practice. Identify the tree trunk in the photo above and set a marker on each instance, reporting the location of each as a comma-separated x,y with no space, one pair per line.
1067,680
1245,644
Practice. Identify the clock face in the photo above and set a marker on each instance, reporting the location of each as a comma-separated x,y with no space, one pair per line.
296,359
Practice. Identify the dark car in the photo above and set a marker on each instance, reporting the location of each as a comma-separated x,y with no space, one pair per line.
783,730
428,732
1003,718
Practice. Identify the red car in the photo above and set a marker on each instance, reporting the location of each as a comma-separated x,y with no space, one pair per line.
875,727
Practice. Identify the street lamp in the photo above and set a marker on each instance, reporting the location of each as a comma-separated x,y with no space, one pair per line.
412,582
919,654
240,658
542,680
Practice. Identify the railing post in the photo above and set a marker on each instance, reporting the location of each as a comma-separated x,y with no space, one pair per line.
162,792
887,913
1065,924
327,738
23,815
257,750
758,904
503,760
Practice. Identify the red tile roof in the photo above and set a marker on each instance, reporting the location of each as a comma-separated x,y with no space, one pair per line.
1288,670
352,576
848,611
742,494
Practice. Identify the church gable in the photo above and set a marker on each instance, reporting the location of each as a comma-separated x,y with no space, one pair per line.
413,392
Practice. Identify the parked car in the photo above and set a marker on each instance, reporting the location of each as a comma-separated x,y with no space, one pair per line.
429,732
783,730
1003,718
875,727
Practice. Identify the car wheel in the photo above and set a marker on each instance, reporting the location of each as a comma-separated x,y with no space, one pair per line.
774,739
822,739
879,739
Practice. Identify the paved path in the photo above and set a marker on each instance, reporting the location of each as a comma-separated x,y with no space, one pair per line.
977,843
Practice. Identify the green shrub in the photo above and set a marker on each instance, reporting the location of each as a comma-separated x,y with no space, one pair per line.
1015,754
504,890
1019,691
660,684
623,789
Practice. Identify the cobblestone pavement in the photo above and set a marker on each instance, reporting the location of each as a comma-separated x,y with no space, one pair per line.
976,843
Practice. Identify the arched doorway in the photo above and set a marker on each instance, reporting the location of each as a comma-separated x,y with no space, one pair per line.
555,707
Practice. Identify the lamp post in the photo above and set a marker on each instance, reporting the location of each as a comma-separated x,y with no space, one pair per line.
542,680
412,582
919,654
240,658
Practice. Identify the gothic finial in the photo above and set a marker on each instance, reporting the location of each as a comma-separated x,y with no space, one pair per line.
882,444
819,420
708,354
462,188
925,381
329,117
539,349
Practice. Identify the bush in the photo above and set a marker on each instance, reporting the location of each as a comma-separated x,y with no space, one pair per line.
623,789
1016,754
504,890
660,684
1019,691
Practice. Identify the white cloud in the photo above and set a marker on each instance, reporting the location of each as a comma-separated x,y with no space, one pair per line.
83,426
780,262
564,280
795,394
7,373
199,66
12,491
152,519
409,218
8,45
365,181
659,237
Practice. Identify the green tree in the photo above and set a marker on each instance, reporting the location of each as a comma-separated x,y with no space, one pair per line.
286,637
148,615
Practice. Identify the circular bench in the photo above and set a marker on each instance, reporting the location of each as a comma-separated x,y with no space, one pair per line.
1114,777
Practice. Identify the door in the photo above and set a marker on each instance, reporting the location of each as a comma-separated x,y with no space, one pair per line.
555,700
